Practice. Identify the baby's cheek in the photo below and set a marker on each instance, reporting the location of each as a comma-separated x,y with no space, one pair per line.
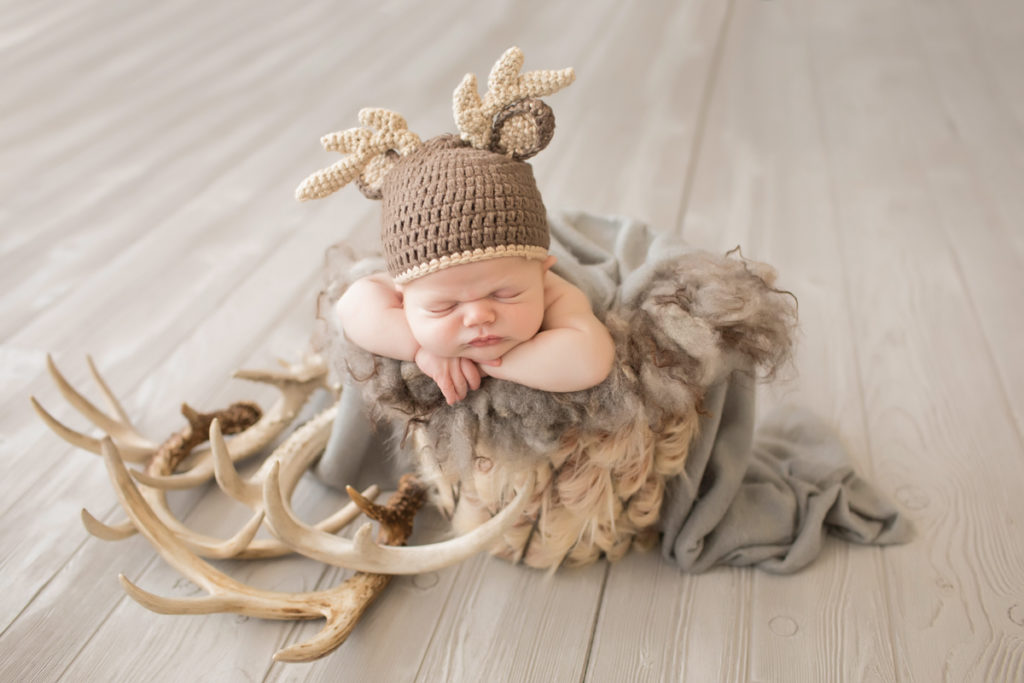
537,318
433,335
417,326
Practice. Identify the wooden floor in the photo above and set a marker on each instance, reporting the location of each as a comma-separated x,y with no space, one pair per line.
872,150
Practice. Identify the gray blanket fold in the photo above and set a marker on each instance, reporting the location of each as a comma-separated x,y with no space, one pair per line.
746,497
767,497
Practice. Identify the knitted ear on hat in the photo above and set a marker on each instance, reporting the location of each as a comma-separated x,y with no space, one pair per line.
509,120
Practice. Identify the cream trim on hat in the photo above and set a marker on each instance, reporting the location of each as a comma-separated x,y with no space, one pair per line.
434,265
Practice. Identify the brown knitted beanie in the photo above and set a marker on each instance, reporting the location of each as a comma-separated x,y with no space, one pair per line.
448,203
454,199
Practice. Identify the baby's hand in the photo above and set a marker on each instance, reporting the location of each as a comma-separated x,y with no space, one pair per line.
454,376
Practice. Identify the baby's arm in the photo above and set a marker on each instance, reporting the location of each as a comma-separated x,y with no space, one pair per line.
373,319
573,351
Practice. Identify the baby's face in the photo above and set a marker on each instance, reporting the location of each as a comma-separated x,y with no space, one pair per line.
477,310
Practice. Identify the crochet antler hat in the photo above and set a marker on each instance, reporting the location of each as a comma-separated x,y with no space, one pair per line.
454,200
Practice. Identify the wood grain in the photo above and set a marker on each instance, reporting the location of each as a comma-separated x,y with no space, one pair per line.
939,429
872,151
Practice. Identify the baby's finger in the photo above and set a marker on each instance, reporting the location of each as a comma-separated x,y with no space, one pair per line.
447,389
493,363
472,373
460,384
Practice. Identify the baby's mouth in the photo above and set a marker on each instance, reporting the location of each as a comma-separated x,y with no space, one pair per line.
488,340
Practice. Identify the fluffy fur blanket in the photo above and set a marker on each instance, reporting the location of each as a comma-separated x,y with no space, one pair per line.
616,463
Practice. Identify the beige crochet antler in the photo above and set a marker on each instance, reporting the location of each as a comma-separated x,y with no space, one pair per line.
505,86
371,154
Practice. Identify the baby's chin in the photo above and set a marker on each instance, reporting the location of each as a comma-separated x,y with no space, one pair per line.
483,354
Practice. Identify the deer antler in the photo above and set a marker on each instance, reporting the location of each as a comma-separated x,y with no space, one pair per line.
371,154
341,606
505,86
296,384
299,450
363,554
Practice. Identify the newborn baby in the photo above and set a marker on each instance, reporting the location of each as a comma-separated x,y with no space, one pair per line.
468,289
508,317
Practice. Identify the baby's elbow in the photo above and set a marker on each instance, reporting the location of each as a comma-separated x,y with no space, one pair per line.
349,301
341,311
600,360
605,360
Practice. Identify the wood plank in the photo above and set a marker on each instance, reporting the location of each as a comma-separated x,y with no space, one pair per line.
954,588
102,629
139,167
850,145
33,31
994,28
393,636
657,624
639,104
760,185
973,157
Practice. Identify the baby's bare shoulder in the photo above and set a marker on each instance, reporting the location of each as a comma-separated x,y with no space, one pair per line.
562,298
556,284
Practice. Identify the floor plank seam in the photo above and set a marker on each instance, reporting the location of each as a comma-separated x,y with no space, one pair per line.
220,167
814,78
962,278
257,339
595,622
700,124
246,351
102,622
41,588
440,618
982,59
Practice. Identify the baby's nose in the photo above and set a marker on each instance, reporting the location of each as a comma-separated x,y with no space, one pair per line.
478,313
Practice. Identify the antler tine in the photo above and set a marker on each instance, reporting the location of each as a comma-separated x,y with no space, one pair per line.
227,476
363,554
107,532
198,474
147,522
229,548
296,385
112,403
210,547
295,454
341,606
74,438
123,433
